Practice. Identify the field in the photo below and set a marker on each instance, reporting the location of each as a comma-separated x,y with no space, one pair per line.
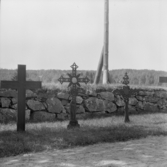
54,135
136,77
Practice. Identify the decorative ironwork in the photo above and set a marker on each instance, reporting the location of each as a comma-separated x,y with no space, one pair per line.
125,79
74,82
126,92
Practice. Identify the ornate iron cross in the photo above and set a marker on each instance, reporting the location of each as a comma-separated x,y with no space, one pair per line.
126,92
74,82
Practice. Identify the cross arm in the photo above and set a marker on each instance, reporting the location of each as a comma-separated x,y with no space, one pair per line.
84,80
33,84
163,79
62,79
9,84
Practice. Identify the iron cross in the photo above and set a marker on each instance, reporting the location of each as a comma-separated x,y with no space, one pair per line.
74,82
126,92
21,85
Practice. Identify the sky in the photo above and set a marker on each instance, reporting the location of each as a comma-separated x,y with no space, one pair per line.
53,34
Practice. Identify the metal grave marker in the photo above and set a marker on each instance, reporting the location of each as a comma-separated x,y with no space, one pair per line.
126,92
74,83
21,85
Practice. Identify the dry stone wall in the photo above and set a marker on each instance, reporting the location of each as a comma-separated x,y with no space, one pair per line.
51,105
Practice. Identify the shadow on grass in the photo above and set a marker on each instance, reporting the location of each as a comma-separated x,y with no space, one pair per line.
13,143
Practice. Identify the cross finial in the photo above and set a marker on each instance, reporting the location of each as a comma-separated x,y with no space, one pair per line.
125,79
74,66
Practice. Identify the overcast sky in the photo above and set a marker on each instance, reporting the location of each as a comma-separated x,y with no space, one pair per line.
52,34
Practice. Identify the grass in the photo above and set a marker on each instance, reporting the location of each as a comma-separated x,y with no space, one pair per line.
64,86
48,136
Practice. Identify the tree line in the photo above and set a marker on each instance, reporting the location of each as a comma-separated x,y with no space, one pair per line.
136,77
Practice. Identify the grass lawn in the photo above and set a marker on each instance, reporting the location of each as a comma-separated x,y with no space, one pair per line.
49,136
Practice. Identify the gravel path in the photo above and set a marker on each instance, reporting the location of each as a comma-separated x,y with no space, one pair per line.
147,152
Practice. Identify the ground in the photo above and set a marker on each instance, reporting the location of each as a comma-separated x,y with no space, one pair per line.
146,152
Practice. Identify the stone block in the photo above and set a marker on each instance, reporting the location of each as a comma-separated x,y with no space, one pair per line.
62,116
91,93
150,107
62,95
14,100
79,99
7,115
131,109
94,104
64,102
140,98
162,104
140,105
8,93
121,110
5,102
109,106
14,106
30,93
27,114
54,105
106,96
67,108
133,101
35,105
119,101
164,110
44,96
151,99
80,109
64,111
161,94
80,116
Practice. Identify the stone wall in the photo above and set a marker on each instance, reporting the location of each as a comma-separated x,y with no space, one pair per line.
51,105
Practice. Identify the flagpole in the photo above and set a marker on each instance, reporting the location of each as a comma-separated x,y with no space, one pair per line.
106,41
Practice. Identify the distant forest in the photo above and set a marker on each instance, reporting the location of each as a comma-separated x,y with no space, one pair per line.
136,77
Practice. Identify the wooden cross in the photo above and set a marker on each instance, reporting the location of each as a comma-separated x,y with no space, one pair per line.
126,92
74,82
21,85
